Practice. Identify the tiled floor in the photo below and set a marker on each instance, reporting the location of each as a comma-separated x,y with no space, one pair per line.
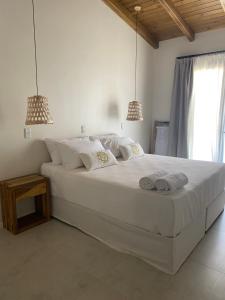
56,261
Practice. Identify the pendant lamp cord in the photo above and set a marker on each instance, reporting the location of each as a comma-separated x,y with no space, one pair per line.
136,57
35,48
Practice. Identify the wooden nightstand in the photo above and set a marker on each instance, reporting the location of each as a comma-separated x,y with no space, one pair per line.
18,189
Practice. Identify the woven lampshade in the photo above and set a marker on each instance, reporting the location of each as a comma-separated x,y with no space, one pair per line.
134,111
37,111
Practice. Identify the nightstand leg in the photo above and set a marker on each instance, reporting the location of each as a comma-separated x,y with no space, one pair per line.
4,206
46,207
13,218
42,206
39,205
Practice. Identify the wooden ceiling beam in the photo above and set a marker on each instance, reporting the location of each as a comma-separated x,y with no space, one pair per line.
125,14
223,4
176,17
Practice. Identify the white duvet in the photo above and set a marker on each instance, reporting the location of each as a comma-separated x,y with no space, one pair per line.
114,191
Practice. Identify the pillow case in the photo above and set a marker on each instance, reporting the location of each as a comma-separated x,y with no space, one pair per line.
102,136
70,152
53,151
98,159
131,151
113,143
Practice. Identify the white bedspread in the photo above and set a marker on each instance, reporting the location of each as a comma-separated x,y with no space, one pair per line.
114,191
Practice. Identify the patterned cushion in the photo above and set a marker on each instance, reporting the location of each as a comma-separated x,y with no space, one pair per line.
98,159
131,151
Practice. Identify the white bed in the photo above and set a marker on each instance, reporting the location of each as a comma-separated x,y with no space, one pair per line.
160,228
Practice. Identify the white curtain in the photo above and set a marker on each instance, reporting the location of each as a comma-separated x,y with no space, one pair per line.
206,111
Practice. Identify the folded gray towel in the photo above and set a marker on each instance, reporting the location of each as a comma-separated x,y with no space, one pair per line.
148,182
171,182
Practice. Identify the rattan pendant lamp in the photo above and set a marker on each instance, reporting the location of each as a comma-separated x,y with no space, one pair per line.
135,107
37,106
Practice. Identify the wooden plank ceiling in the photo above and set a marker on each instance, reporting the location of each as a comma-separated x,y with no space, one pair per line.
166,19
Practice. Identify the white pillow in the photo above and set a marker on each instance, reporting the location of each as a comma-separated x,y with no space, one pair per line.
113,143
70,152
131,151
53,149
98,159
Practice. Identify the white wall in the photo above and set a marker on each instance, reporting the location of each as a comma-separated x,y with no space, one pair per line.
86,68
164,62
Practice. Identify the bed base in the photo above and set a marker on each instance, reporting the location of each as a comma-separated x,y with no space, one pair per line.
214,210
165,253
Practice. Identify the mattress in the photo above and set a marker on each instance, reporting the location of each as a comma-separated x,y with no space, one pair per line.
114,191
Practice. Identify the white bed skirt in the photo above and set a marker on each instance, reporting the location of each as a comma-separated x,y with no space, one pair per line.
214,210
166,254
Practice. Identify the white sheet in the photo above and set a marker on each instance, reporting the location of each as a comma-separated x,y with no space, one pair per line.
114,191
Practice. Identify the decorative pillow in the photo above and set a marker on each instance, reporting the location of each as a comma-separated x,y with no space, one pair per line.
102,136
131,151
54,151
113,143
98,159
70,151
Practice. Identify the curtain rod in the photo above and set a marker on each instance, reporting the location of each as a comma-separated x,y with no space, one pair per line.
201,54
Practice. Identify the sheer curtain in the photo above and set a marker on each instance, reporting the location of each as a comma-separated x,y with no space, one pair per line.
206,111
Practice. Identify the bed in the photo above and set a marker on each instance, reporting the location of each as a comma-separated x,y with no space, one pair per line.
160,228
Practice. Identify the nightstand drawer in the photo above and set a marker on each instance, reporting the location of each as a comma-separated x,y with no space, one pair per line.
35,190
